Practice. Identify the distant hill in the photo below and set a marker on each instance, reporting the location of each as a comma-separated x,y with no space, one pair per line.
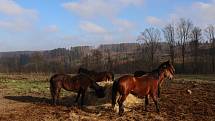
17,53
119,58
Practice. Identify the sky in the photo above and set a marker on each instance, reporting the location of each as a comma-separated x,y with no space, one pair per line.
49,24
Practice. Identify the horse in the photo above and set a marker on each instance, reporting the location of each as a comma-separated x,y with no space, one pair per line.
78,82
97,76
141,72
86,71
144,86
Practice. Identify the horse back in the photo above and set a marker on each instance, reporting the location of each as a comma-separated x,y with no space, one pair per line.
65,81
146,84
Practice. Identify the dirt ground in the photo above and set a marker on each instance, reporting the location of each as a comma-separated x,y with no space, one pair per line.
175,102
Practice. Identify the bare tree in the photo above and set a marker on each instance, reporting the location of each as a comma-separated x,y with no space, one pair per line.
97,60
195,39
151,37
169,35
109,65
210,32
183,30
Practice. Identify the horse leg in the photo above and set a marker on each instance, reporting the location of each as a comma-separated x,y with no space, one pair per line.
79,93
159,87
82,97
146,102
54,99
55,95
120,102
156,103
159,90
58,95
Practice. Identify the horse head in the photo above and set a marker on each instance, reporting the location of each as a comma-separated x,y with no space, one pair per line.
100,92
168,71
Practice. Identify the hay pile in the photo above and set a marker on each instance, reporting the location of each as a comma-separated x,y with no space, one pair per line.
92,100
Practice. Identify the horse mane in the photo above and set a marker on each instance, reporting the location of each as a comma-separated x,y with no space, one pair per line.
86,71
158,70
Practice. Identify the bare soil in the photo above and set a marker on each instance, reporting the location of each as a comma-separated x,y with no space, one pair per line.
175,102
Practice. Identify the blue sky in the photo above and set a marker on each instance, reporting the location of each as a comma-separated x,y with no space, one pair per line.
49,24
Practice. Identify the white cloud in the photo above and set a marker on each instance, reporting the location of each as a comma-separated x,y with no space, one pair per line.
154,21
71,38
132,2
16,18
106,10
15,24
123,25
201,13
204,11
92,28
90,9
52,28
9,7
98,8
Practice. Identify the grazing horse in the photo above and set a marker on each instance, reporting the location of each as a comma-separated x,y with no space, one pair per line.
144,86
79,82
97,76
140,73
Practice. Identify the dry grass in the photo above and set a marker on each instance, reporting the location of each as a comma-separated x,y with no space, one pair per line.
31,96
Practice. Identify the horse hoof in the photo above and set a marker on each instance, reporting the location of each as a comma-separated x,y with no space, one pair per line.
158,111
113,106
120,113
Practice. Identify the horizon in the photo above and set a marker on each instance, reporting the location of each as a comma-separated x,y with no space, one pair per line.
37,26
94,47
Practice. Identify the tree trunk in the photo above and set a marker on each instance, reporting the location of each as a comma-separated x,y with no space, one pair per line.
183,55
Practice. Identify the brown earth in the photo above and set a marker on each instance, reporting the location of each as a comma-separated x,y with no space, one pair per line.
175,102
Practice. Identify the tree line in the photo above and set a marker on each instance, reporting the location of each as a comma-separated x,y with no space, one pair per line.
190,48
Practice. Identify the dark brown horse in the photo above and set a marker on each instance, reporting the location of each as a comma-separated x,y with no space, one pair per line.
97,76
144,86
141,73
79,82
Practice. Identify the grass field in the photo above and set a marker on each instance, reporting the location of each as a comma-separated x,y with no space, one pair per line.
22,93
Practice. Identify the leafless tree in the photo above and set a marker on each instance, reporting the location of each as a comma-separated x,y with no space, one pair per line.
210,32
151,37
196,36
169,35
109,65
97,60
183,30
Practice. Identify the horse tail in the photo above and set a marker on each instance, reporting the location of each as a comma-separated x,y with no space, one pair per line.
114,92
112,74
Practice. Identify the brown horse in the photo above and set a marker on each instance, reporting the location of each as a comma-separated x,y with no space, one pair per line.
141,73
140,86
79,82
97,76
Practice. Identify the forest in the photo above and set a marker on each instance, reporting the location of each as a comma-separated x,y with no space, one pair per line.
190,48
